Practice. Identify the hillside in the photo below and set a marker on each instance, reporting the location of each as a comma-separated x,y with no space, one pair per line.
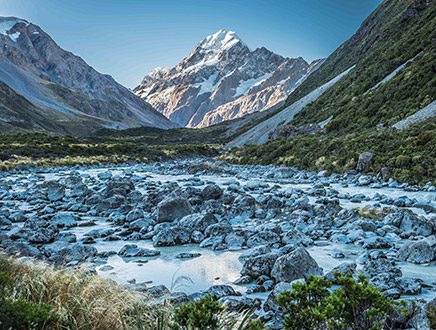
392,64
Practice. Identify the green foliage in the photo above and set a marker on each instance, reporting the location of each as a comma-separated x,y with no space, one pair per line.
303,305
253,325
209,314
386,40
409,154
51,150
395,33
18,313
200,314
355,305
431,315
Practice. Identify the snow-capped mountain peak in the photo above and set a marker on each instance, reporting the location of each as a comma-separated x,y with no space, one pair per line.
220,41
221,79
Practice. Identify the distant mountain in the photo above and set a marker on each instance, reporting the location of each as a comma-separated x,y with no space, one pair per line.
222,79
56,81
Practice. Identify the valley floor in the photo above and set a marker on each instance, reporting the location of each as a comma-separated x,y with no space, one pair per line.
185,228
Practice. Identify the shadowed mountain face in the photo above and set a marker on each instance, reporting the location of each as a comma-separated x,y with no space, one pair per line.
222,79
35,67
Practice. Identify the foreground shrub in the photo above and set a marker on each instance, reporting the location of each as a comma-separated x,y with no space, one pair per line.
201,314
355,305
209,314
78,299
20,314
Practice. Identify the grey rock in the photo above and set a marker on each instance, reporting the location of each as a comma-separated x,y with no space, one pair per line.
419,252
259,265
408,221
219,291
364,161
132,250
172,209
211,191
295,265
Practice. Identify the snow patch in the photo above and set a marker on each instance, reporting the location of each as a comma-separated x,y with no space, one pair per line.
220,40
14,36
246,85
7,23
207,85
394,73
212,46
325,122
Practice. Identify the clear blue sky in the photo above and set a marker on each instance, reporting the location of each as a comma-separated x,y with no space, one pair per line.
128,38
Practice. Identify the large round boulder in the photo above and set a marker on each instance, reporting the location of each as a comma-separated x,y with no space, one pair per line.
294,265
173,208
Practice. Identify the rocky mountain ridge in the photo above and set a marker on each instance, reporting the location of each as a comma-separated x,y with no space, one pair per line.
35,67
222,79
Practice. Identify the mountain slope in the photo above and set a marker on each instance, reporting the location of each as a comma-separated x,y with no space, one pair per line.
34,66
19,115
393,55
222,79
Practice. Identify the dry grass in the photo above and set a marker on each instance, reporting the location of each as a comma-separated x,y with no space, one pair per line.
375,214
82,300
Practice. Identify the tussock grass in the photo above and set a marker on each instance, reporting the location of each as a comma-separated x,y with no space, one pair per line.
80,299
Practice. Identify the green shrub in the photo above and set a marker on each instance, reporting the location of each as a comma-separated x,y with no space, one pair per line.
355,305
209,314
20,314
200,314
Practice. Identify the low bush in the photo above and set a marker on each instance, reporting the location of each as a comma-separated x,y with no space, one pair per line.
355,305
410,155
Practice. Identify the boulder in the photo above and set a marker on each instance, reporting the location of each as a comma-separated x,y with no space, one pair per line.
219,229
376,242
64,219
197,221
364,161
219,291
73,253
263,237
259,265
211,191
295,265
343,269
132,250
173,208
408,221
296,237
419,252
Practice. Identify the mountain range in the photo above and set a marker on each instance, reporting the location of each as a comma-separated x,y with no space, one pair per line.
222,79
58,91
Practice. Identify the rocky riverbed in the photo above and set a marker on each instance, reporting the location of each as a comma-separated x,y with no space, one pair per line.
181,229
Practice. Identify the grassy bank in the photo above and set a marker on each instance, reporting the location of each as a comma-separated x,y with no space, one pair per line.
409,154
40,149
34,295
